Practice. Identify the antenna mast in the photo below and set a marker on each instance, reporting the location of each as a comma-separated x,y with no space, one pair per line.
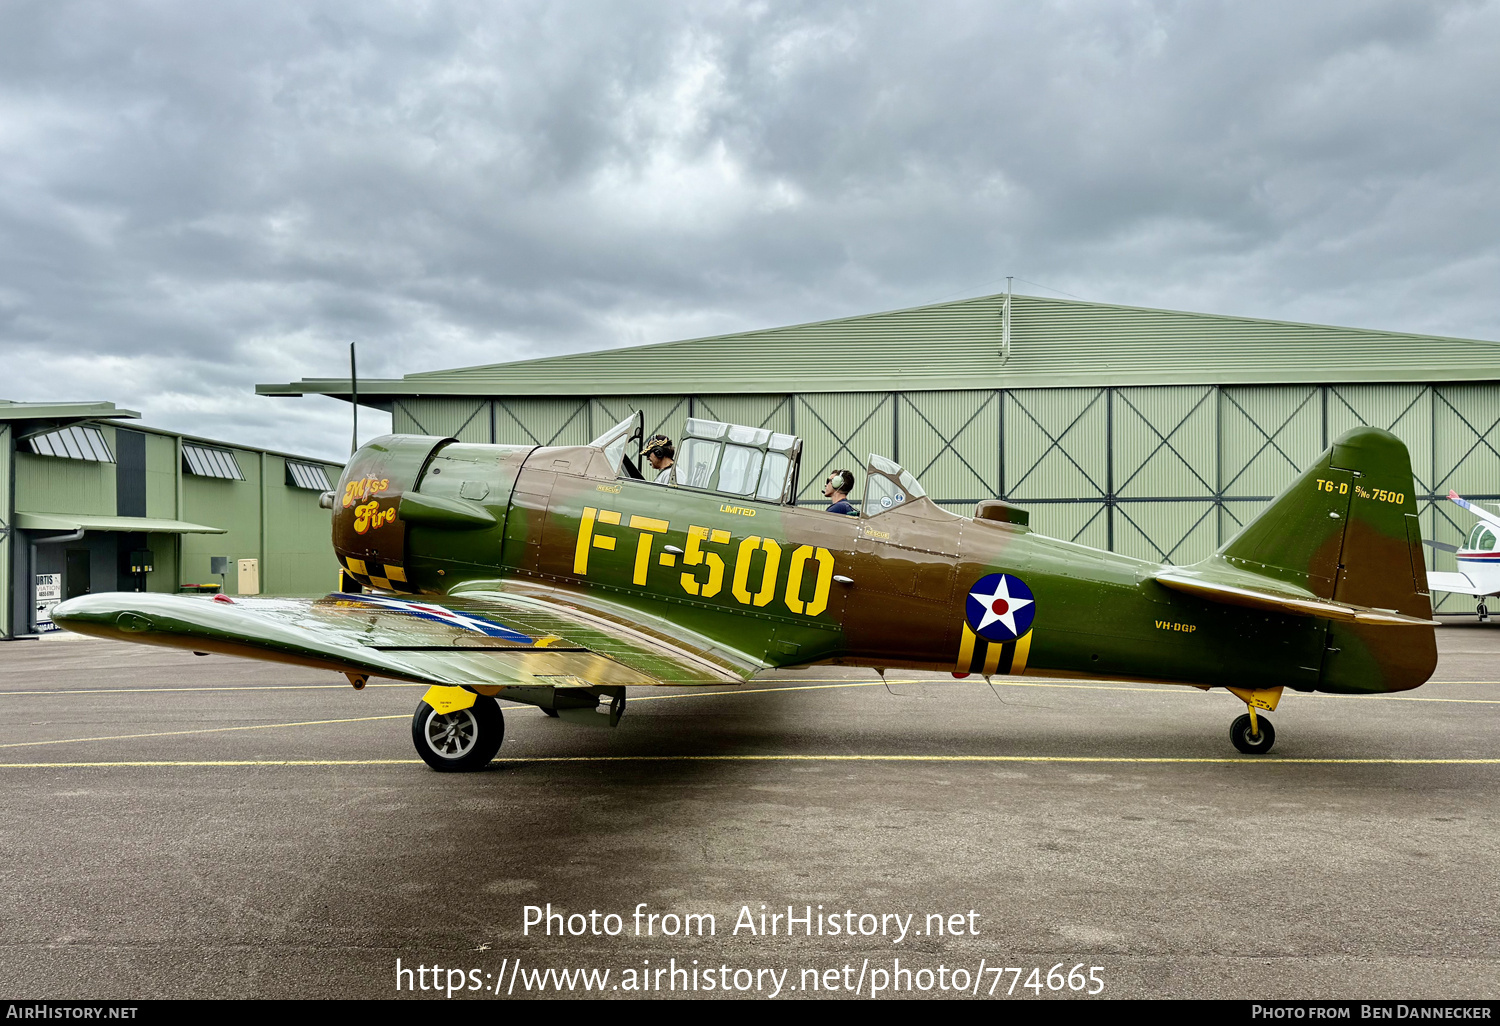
354,389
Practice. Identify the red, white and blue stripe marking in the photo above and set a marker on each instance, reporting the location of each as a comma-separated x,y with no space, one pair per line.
437,614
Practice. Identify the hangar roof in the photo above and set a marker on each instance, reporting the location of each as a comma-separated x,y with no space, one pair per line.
86,522
956,345
10,410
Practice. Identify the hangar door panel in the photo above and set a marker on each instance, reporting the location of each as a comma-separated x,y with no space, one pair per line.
1466,449
664,414
528,421
1269,435
950,442
1056,444
1167,532
840,432
772,412
466,419
1164,445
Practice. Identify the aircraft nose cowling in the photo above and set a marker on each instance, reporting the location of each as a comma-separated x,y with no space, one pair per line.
417,513
369,535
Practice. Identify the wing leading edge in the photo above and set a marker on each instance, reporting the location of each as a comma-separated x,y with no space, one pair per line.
487,641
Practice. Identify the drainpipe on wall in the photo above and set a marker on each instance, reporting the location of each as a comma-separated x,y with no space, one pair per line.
178,511
264,505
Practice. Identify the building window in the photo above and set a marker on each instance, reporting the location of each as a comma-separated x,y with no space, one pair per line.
73,443
203,461
307,475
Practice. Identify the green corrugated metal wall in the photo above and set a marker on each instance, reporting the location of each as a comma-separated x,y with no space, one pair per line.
1164,473
299,551
77,486
232,505
7,537
161,477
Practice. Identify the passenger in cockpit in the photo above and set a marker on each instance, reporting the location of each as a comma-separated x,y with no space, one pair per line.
662,456
836,490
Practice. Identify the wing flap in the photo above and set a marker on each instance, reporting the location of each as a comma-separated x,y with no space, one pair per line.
663,649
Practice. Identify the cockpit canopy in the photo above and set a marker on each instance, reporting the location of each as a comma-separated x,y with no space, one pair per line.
753,463
731,459
749,463
888,487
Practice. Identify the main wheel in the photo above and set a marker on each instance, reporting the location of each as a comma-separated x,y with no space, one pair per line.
463,740
1252,744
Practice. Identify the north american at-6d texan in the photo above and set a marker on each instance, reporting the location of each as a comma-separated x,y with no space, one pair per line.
559,577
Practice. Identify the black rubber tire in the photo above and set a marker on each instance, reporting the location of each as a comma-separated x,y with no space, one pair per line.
1239,733
479,730
552,713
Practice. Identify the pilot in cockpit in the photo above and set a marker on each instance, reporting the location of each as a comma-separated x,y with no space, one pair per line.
662,456
836,489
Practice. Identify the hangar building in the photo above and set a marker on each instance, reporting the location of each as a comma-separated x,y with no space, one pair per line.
1155,433
90,501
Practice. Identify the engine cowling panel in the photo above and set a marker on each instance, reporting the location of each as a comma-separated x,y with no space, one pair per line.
419,513
369,536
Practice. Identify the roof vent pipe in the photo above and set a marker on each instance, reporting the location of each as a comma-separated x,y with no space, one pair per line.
1005,324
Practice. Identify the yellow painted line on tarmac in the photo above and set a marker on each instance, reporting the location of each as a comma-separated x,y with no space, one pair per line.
213,688
204,730
697,692
762,691
1415,698
1164,689
977,759
152,763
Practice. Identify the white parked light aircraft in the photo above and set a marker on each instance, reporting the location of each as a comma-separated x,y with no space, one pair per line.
1478,559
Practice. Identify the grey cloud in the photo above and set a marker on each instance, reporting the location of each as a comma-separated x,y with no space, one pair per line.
194,198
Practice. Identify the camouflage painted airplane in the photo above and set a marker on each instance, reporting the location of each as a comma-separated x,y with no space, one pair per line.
560,577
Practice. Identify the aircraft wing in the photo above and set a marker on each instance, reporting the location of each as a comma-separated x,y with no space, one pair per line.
1482,514
1439,580
1241,588
483,640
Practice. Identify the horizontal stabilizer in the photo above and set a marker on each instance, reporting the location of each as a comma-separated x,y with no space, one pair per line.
1276,600
1440,580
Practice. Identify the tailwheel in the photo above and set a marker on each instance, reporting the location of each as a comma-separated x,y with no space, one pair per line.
465,739
1243,733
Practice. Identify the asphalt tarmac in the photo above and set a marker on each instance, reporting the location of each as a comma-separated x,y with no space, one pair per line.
175,826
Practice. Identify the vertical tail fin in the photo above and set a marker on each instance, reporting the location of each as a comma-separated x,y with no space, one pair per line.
1346,529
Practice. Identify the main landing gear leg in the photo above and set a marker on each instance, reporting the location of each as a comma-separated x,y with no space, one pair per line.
1484,611
1252,733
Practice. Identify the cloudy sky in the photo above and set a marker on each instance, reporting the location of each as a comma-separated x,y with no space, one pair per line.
198,197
